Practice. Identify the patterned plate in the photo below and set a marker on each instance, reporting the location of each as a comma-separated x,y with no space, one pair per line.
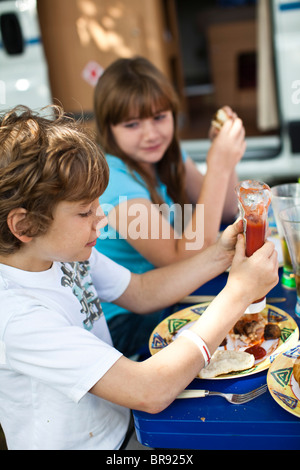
281,382
167,330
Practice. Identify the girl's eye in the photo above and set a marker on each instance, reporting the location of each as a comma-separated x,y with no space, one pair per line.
160,116
131,125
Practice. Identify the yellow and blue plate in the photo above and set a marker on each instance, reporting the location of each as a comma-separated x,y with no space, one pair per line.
281,381
170,327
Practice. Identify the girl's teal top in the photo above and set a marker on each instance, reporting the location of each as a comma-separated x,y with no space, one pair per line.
124,185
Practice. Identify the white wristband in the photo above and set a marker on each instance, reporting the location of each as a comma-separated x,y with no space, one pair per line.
200,343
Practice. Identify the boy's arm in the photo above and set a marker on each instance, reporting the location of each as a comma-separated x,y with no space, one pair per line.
153,384
162,287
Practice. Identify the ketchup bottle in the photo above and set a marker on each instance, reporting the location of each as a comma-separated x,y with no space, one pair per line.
254,199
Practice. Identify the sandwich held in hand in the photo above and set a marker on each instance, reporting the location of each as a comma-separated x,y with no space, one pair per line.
220,118
296,370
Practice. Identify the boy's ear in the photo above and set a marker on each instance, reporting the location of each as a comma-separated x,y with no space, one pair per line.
14,222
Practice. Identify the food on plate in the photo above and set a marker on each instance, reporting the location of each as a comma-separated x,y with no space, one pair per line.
224,362
251,340
257,351
220,118
250,328
272,331
296,370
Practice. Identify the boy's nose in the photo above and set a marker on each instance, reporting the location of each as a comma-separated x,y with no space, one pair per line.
100,220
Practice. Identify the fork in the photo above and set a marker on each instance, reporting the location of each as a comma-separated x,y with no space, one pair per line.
236,398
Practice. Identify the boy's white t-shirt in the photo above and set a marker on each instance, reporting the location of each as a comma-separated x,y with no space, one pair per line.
54,346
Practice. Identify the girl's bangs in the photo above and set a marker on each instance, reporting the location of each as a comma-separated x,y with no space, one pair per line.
141,103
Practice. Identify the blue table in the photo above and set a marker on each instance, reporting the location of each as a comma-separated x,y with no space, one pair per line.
214,424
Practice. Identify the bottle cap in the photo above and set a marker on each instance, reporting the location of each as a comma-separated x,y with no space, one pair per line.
257,307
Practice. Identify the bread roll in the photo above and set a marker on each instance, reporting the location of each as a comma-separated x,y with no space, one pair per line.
220,118
223,362
296,370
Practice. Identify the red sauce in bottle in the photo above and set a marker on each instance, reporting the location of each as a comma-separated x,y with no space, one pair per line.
254,200
255,235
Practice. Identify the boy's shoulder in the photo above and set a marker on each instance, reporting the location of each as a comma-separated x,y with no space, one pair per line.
22,291
15,305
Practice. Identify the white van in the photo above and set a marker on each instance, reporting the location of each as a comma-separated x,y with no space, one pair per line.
23,68
270,155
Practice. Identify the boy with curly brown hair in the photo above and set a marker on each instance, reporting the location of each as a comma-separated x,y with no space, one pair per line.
62,383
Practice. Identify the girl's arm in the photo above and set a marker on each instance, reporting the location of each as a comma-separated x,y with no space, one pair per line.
195,179
216,189
142,224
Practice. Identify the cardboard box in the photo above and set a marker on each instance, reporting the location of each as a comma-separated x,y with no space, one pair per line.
82,37
232,54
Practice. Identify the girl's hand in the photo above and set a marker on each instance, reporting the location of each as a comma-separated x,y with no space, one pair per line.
213,131
256,275
228,147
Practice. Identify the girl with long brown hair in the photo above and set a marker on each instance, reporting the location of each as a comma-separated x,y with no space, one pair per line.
136,110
